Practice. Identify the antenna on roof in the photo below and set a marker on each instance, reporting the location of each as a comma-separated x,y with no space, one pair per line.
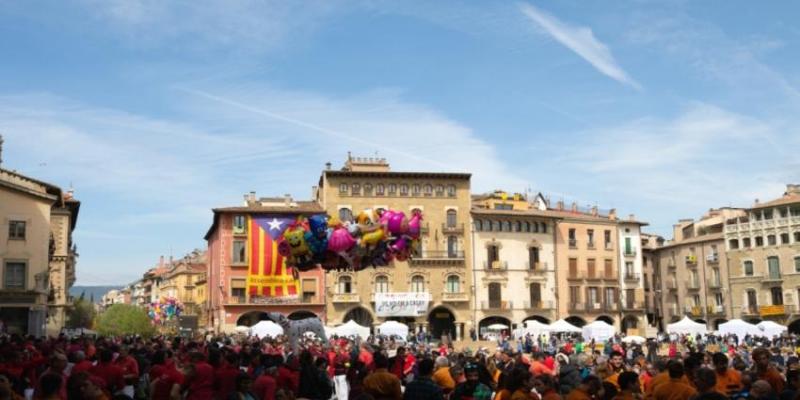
1,150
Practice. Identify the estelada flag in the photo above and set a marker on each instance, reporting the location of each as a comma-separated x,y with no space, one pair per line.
268,275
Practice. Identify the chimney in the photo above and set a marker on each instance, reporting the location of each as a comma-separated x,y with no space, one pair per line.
790,188
612,214
574,207
328,166
594,211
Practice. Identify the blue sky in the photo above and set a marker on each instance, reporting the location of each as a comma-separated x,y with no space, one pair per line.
158,111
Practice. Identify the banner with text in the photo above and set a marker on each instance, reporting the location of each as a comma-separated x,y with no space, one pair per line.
402,304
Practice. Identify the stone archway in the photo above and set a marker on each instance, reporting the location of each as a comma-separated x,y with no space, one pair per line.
718,322
251,318
606,319
301,314
630,322
483,325
539,318
701,321
575,320
360,315
794,327
441,322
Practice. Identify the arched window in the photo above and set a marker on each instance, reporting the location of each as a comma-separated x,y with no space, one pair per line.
345,214
392,188
381,284
452,247
345,284
544,227
343,188
403,190
774,267
368,189
451,190
535,227
451,218
527,226
507,226
380,189
415,189
518,226
453,284
428,189
356,189
417,284
478,225
439,190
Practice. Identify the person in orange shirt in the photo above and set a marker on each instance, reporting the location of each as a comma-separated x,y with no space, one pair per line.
442,375
765,371
538,367
676,388
729,380
590,388
616,367
629,385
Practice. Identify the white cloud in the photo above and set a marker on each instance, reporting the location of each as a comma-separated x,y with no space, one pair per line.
582,41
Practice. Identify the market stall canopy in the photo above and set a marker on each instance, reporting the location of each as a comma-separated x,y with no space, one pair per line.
266,329
687,327
633,339
739,328
393,328
352,328
563,326
242,329
770,328
535,328
598,330
497,327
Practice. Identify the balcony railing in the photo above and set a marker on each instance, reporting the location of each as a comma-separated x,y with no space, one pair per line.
715,310
712,258
442,254
609,246
495,265
772,277
246,300
496,305
630,252
590,244
539,267
577,306
576,275
691,260
633,305
693,285
714,284
750,310
611,278
346,298
593,276
573,243
671,285
457,228
538,305
695,311
632,277
455,297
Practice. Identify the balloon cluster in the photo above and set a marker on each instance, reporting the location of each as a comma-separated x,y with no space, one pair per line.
374,239
165,310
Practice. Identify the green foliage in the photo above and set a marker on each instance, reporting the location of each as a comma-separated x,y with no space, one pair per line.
125,319
81,315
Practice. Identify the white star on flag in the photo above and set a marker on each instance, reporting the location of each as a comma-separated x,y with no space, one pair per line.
275,224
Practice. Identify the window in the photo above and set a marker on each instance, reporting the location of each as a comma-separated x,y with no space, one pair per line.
629,269
367,189
544,227
380,189
415,189
590,238
715,277
392,188
590,267
693,281
239,252
774,267
771,240
768,214
417,284
381,284
478,225
609,268
533,257
718,299
518,226
499,206
797,264
797,237
14,275
574,294
611,296
451,190
759,241
734,244
427,189
777,296
492,254
356,189
496,226
607,239
345,285
309,287
592,296
343,188
404,190
239,224
748,268
784,238
573,267
696,300
451,218
572,241
345,214
628,246
746,243
453,284
16,230
452,247
495,295
528,227
439,190
507,226
535,295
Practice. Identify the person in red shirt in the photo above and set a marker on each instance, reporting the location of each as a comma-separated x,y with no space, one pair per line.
289,374
365,356
165,379
130,369
111,374
266,385
200,378
81,363
225,376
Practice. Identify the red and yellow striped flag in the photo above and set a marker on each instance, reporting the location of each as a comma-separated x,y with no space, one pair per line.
268,275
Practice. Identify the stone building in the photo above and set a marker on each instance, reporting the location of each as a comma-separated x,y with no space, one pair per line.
37,254
440,266
513,263
229,300
651,278
763,253
183,281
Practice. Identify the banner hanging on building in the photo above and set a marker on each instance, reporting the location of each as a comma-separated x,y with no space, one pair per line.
401,304
267,276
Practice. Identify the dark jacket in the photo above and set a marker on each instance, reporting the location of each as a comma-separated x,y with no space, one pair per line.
568,378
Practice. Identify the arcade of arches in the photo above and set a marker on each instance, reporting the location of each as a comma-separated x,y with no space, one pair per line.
251,318
440,321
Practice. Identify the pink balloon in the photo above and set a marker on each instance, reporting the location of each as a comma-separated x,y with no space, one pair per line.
399,245
398,223
415,225
340,240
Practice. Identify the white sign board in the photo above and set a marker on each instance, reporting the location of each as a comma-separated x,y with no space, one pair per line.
402,304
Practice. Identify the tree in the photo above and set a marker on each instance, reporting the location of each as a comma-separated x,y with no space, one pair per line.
81,315
125,319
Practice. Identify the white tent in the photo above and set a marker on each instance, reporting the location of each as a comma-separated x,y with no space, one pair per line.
497,327
352,328
563,326
598,330
242,329
633,339
266,329
739,328
687,327
535,328
770,329
393,328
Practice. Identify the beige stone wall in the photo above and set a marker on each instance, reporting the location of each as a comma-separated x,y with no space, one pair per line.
433,266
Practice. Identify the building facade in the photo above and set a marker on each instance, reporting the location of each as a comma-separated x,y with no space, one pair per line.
439,266
181,282
633,309
763,251
651,277
229,303
35,247
513,265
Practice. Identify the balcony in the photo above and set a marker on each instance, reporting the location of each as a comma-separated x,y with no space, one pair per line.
201,278
594,307
538,268
671,285
772,278
496,305
609,246
611,307
237,300
573,243
424,228
673,309
446,257
346,298
453,229
691,260
714,284
693,285
575,276
775,310
593,276
611,278
633,305
712,258
577,307
715,310
449,297
495,266
538,305
694,311
590,245
672,266
630,252
632,277
750,310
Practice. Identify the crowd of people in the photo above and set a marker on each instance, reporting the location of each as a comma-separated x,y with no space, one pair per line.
535,368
